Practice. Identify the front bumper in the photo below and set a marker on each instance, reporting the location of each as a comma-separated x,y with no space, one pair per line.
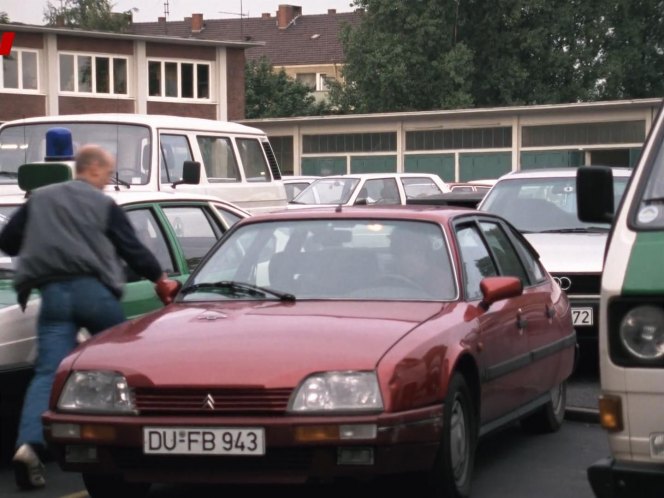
405,442
613,479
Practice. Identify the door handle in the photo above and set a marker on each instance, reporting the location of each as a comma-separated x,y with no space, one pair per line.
521,322
550,311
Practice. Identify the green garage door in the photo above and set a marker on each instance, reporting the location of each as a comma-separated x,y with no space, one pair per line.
441,165
483,166
323,166
551,159
373,164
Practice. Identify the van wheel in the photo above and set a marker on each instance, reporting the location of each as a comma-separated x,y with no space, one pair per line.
550,416
453,468
113,486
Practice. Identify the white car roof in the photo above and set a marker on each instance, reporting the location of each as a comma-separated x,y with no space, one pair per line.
369,176
156,120
557,173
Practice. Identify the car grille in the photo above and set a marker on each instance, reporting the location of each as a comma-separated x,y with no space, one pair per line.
578,284
207,402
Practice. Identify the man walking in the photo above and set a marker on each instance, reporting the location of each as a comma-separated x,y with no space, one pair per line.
69,236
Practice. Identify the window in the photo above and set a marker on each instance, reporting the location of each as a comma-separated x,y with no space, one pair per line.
148,232
323,82
100,74
173,151
218,159
502,249
349,142
181,80
307,79
253,160
19,70
475,260
193,229
420,187
467,138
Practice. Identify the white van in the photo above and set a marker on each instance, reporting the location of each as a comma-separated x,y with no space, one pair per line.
237,161
631,323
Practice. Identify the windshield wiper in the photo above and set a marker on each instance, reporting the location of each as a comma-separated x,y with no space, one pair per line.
653,200
9,174
238,288
576,230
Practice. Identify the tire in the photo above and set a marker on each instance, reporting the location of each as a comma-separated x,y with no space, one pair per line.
113,486
550,416
452,471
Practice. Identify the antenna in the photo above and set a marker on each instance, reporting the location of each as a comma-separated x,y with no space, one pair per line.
166,10
242,15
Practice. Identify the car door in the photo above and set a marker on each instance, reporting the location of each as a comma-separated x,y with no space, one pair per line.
504,346
179,234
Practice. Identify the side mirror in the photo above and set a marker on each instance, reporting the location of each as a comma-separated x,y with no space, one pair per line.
35,175
191,174
499,288
594,194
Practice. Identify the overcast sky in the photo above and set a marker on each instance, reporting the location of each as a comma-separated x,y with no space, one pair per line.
32,11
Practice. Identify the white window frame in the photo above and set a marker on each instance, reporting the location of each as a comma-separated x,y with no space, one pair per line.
162,90
111,75
20,89
321,82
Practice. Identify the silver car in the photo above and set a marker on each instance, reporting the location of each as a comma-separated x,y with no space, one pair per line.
542,205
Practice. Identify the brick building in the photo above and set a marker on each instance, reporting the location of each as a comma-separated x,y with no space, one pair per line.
53,71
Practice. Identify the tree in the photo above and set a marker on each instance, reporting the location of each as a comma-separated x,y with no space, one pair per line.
270,94
404,57
94,15
633,50
4,18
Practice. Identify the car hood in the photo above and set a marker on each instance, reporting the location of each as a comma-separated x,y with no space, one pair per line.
260,343
570,252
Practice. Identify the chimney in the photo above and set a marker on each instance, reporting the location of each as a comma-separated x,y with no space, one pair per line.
265,15
196,23
331,11
161,20
287,14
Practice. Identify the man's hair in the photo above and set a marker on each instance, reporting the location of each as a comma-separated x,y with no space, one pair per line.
90,154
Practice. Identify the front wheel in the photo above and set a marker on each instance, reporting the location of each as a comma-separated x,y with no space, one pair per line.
111,486
549,417
453,468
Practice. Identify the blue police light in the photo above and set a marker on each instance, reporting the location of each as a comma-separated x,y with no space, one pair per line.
59,145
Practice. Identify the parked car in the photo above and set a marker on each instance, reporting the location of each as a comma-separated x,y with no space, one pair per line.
295,184
370,188
311,344
542,205
237,162
178,228
469,187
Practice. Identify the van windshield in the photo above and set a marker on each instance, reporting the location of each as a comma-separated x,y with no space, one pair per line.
130,144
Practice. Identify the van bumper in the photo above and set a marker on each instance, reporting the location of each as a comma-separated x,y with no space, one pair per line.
612,479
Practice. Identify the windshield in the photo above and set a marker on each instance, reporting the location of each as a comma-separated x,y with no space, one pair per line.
330,259
328,191
543,204
651,209
26,144
7,264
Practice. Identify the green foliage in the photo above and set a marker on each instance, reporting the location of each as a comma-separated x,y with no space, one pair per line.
93,15
437,54
270,94
4,18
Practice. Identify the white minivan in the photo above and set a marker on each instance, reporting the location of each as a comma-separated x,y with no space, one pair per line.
631,323
155,152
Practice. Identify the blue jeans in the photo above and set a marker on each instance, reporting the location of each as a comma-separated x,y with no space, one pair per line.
66,306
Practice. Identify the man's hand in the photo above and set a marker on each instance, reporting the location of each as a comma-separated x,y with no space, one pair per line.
166,289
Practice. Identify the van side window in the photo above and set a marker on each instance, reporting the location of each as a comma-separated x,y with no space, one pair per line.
253,160
173,152
218,159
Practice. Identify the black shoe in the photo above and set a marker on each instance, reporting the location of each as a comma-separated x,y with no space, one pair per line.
28,468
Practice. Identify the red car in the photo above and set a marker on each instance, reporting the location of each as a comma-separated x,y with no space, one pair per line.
323,343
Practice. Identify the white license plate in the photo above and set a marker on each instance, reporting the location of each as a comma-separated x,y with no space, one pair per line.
204,440
582,317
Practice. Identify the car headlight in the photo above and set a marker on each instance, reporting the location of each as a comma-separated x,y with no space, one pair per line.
642,332
96,392
338,392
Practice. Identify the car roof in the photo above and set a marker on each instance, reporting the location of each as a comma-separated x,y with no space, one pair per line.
438,214
156,120
558,172
380,175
